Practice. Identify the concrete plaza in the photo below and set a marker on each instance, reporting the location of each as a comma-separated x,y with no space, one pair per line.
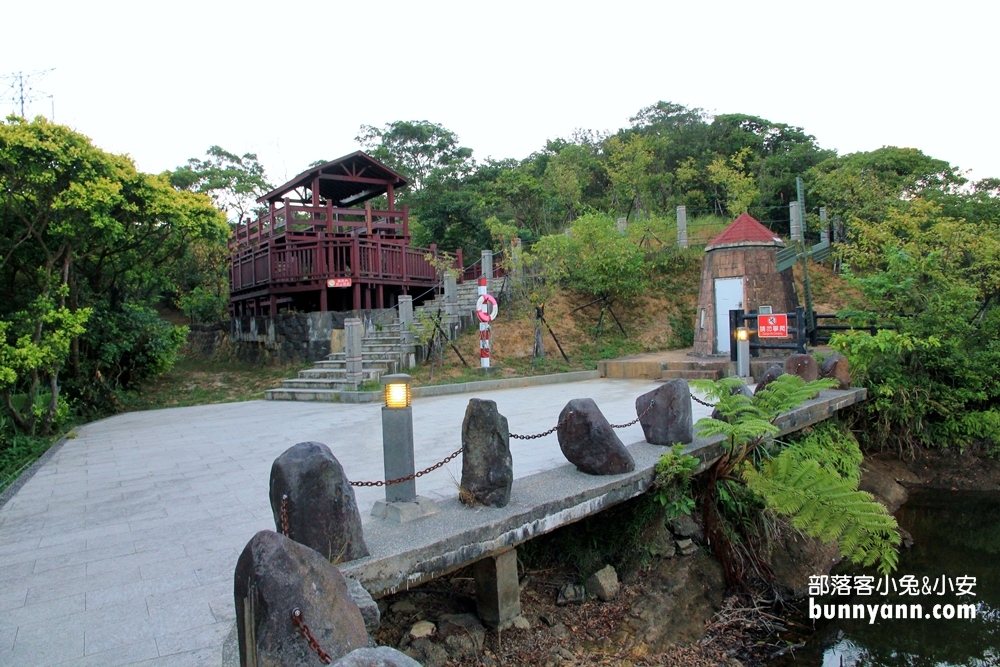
120,550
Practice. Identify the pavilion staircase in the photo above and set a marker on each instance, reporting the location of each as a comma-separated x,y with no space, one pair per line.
382,352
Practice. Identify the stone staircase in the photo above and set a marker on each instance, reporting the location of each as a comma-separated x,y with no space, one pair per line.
382,352
697,369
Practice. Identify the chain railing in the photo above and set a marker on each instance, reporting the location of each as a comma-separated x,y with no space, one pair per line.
451,457
284,514
698,400
300,624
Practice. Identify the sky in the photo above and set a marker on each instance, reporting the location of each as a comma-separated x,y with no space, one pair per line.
293,82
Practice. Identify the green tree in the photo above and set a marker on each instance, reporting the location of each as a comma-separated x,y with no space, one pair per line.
415,149
234,182
739,186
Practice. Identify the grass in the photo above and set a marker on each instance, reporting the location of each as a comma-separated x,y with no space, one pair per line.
199,381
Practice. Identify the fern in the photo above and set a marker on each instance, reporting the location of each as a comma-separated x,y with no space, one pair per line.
833,447
825,505
786,392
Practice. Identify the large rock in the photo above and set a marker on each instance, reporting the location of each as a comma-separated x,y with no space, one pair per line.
366,605
837,367
740,388
322,511
275,575
603,584
588,441
802,365
487,466
770,375
668,421
382,656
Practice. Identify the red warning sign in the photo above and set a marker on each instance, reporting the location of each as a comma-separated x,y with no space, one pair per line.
338,282
772,326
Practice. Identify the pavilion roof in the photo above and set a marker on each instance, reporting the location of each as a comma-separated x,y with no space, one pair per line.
346,181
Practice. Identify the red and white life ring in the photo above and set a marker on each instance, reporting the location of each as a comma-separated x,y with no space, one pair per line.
486,308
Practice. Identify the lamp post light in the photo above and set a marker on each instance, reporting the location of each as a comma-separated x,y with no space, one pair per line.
401,500
743,352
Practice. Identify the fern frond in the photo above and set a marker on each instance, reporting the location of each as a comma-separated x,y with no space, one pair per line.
788,391
822,504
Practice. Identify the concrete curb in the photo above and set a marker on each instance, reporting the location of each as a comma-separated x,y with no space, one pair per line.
504,383
23,478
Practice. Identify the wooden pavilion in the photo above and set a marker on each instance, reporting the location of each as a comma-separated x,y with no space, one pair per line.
321,245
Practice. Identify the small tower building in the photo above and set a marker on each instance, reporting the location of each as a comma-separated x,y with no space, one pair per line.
740,271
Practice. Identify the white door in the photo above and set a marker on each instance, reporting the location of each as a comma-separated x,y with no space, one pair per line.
728,296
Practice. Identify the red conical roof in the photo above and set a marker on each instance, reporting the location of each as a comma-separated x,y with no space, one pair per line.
745,230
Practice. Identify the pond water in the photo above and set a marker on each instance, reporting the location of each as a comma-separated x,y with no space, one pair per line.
956,534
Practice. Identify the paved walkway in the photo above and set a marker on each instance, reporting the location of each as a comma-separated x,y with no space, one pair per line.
121,549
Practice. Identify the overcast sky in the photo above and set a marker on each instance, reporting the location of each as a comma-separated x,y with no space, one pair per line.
294,81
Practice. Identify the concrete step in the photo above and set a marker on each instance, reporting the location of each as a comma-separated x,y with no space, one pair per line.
691,375
341,373
691,365
301,383
327,395
382,366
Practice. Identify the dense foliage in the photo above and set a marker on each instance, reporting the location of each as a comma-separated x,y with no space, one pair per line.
88,245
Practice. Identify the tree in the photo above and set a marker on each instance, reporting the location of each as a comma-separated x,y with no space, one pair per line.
84,236
233,182
739,185
415,149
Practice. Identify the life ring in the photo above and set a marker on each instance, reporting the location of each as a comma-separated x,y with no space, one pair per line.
486,308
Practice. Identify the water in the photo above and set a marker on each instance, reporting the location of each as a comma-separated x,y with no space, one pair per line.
955,533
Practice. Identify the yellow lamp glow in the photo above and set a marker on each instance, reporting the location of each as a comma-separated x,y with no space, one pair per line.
742,333
397,390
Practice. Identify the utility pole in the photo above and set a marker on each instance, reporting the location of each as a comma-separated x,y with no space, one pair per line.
22,89
800,196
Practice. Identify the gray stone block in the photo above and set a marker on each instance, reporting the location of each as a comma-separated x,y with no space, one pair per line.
274,576
382,656
588,441
837,366
669,419
322,510
487,465
603,584
802,365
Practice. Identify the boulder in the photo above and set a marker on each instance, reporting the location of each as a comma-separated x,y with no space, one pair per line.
322,511
668,421
588,441
741,388
684,525
837,367
802,365
487,466
422,629
462,625
366,605
382,656
603,584
275,575
571,594
770,375
686,547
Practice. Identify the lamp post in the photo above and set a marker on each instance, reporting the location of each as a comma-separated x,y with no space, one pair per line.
743,352
401,500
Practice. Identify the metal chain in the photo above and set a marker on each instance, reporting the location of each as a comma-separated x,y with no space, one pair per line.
698,400
284,514
400,480
300,623
644,413
543,433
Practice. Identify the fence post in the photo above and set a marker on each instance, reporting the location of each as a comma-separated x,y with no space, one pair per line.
487,267
405,318
353,340
800,329
795,217
824,226
682,227
814,331
450,301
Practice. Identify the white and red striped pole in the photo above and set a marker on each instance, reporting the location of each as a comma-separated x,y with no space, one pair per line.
484,331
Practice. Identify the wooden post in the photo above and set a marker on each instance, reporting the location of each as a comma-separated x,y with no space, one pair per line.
273,306
368,298
368,217
329,217
356,301
323,306
379,297
461,264
406,222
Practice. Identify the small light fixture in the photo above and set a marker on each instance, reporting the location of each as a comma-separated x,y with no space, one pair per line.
397,390
742,333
